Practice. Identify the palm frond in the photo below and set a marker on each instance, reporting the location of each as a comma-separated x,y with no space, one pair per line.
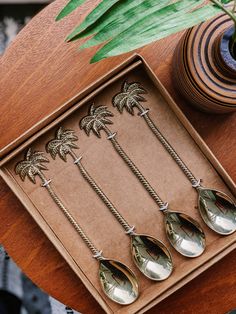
157,25
120,20
66,135
62,144
92,17
129,97
32,165
21,169
122,26
69,8
52,147
96,120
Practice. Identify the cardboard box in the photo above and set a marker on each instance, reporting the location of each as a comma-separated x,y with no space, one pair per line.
121,186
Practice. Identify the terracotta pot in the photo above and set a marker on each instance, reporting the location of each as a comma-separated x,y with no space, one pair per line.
204,69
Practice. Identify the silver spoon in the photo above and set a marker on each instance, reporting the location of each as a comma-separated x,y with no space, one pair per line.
151,257
97,120
216,208
117,281
149,254
184,233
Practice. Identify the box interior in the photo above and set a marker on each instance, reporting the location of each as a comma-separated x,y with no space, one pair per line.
123,189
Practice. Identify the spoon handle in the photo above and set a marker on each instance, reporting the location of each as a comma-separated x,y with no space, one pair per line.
170,149
130,96
135,170
101,194
46,183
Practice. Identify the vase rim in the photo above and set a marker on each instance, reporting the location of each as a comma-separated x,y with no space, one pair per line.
225,50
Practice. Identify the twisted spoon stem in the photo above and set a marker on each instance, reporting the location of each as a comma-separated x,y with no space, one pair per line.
46,183
128,229
135,170
168,147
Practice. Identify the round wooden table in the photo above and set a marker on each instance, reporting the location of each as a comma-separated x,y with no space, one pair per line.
39,72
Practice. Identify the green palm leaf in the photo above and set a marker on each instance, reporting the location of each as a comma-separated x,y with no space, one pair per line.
226,1
126,25
156,26
115,17
119,23
100,9
70,7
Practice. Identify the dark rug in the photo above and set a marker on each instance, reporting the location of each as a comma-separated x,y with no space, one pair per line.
12,18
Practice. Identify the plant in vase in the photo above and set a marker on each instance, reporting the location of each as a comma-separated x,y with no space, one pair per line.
122,26
141,22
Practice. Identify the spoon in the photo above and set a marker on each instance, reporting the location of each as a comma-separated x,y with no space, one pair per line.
117,281
184,233
216,208
97,120
150,255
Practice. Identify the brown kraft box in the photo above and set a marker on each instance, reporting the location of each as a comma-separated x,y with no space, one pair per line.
121,186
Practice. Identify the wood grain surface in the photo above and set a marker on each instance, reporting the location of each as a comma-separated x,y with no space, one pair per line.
39,72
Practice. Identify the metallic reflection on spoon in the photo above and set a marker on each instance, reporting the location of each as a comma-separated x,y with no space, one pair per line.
118,281
218,210
151,257
184,234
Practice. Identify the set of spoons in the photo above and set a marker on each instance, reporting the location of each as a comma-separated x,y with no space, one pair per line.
150,255
117,280
216,208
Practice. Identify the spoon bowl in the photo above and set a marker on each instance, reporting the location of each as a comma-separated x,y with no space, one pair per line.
151,257
184,234
118,281
218,210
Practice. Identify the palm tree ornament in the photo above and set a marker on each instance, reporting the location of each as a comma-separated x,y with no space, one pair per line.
216,208
149,254
117,281
184,233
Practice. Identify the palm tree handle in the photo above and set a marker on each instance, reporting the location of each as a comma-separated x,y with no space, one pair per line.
102,195
46,183
135,170
130,96
195,183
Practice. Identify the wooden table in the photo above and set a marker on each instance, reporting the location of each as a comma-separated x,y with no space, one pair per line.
39,72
